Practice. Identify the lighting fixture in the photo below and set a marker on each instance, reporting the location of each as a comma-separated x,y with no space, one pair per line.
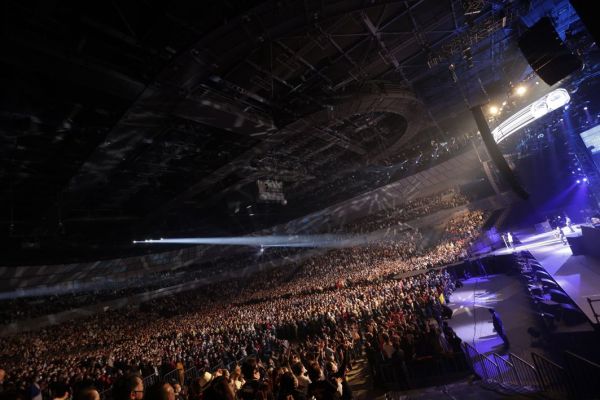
550,102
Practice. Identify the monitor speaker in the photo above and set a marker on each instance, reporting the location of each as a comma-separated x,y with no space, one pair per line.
546,53
577,245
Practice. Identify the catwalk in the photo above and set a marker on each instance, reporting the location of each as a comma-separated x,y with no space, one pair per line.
578,276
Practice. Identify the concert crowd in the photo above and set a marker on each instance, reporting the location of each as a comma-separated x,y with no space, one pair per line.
286,333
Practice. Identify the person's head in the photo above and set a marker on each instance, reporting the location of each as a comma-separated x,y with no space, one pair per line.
89,393
314,372
250,369
220,389
331,367
297,368
128,387
60,390
2,375
160,391
491,310
288,383
204,381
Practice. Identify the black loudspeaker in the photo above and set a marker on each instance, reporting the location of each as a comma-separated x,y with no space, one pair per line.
546,53
495,153
588,12
577,246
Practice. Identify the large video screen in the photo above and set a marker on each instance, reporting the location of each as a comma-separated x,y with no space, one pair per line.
591,138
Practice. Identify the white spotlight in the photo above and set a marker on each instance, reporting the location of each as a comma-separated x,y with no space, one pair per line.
527,115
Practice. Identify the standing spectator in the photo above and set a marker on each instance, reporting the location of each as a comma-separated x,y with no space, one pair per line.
499,327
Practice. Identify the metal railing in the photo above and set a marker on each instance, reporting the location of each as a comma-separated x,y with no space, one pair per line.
525,372
482,365
584,375
552,377
513,371
591,303
151,380
190,375
172,376
506,369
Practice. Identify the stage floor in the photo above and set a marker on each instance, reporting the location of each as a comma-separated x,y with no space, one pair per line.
578,276
472,322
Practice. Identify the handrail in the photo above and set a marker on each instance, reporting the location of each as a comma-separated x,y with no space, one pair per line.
507,370
524,371
481,364
596,315
583,374
552,377
491,368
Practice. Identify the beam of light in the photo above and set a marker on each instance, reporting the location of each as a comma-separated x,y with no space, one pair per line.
325,240
550,102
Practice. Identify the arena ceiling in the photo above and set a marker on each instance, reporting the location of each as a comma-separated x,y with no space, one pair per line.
126,120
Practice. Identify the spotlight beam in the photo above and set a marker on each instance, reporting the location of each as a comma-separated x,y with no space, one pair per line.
327,240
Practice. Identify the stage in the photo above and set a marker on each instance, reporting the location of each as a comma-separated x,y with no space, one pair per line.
578,276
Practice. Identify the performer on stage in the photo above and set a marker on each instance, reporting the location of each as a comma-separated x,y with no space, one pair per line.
568,223
509,239
560,234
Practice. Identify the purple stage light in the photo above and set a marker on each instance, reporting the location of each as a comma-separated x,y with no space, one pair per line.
578,181
585,179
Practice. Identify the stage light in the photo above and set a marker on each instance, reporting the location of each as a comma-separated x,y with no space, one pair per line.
567,107
493,110
585,108
585,179
578,181
535,110
520,90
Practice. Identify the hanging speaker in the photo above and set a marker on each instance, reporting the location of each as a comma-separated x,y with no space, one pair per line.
546,53
495,153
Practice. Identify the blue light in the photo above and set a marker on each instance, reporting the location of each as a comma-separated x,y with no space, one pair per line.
585,179
578,181
567,107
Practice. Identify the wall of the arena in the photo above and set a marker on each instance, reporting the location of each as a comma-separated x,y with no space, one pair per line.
457,171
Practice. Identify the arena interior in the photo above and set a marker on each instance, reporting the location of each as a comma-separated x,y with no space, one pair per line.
299,200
